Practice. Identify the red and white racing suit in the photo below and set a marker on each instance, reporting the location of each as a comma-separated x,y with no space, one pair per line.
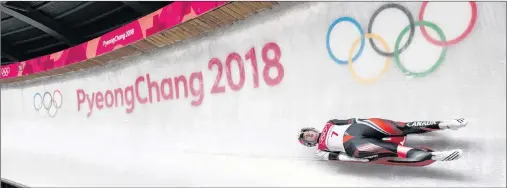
362,139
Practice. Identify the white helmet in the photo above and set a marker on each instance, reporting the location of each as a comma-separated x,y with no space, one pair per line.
306,142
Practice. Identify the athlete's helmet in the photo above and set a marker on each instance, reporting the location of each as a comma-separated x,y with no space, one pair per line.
305,142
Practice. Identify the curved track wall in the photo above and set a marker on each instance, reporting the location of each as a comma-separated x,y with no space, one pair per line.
224,109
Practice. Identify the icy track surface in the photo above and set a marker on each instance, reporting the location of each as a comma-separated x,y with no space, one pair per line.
247,137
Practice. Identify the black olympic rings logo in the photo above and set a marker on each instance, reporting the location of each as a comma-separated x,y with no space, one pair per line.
47,100
443,42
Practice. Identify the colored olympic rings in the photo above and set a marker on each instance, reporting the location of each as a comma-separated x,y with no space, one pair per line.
397,49
467,31
432,68
361,32
411,25
386,64
47,105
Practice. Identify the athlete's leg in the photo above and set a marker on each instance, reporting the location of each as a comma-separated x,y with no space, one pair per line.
396,128
371,148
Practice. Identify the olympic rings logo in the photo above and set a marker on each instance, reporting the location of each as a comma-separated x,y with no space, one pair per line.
443,42
47,100
5,71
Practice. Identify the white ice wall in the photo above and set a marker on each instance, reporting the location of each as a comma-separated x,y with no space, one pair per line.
248,136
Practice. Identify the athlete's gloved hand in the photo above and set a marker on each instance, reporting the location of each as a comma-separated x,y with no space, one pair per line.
340,156
345,157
